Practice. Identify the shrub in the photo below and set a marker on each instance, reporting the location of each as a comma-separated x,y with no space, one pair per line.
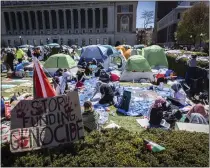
118,147
180,66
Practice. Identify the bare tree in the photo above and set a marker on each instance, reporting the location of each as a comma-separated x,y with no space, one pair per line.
148,17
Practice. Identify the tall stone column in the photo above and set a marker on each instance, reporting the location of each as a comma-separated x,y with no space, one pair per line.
10,21
57,20
64,20
43,21
101,18
17,23
94,19
50,18
86,20
36,19
72,21
23,21
79,19
30,21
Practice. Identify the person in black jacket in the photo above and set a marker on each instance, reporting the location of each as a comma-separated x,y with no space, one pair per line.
107,94
104,77
9,60
156,113
99,67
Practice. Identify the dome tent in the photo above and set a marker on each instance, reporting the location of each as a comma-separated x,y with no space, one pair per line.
155,55
136,68
93,51
137,63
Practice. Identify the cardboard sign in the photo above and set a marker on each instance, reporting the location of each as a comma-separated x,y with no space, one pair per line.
46,122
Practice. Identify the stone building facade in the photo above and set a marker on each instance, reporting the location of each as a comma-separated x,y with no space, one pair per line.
66,22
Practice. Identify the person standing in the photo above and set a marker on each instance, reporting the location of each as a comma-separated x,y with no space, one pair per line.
191,72
9,60
19,54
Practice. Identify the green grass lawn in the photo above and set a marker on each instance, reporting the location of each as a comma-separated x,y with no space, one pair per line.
126,122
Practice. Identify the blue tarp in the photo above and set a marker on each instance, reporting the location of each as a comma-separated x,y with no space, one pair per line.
140,106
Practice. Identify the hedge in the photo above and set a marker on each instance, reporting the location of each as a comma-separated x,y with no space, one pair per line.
119,147
180,66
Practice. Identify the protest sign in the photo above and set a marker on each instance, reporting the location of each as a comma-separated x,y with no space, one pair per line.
46,122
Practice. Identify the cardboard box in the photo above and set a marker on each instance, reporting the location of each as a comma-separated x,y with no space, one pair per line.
192,127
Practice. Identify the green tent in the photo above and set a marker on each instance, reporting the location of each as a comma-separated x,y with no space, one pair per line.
155,56
136,52
60,61
138,63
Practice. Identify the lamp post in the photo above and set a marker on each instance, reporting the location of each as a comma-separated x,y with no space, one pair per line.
20,40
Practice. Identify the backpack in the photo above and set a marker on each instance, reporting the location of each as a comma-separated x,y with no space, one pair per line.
125,100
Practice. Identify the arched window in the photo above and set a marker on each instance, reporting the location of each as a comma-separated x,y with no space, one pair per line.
124,23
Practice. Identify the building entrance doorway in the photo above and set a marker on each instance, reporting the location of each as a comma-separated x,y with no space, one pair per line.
55,40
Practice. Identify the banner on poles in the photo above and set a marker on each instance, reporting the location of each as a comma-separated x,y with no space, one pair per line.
46,122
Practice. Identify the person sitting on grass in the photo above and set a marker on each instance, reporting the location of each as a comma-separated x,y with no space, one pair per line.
197,115
99,68
156,113
107,94
90,117
80,79
179,98
88,69
104,77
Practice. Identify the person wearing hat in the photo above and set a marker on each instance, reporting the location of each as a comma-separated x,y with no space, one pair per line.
107,94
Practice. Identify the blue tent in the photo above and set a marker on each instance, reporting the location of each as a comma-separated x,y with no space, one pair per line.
93,51
111,50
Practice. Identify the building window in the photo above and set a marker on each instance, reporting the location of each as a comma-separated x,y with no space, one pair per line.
105,41
124,23
97,41
123,41
97,31
83,42
76,41
83,31
69,31
125,8
90,41
9,42
178,16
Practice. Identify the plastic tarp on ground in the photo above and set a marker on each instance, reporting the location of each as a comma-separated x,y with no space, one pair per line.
155,56
137,68
142,100
93,51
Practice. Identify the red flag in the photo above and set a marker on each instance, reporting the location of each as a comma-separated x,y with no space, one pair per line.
42,86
